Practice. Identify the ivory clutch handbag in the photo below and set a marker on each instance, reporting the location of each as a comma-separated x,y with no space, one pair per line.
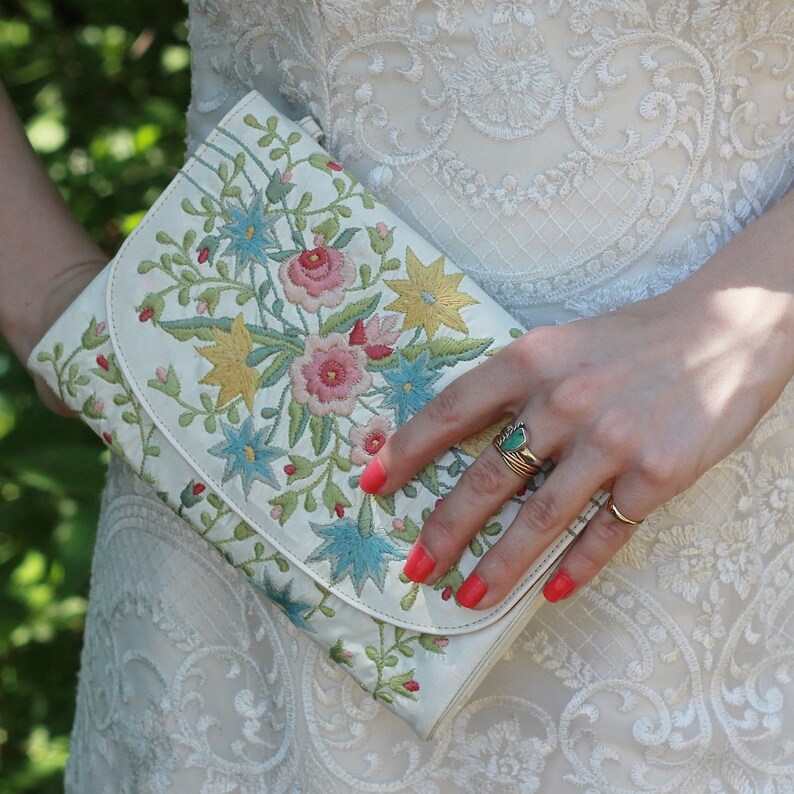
247,352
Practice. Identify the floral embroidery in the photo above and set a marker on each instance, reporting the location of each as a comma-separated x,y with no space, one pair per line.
317,277
368,439
500,757
509,89
230,370
249,232
247,455
684,559
330,376
294,609
411,385
429,297
738,561
354,550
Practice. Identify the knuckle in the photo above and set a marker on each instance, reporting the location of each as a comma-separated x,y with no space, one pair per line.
572,398
613,533
440,534
486,475
396,447
657,471
525,353
614,435
444,410
540,512
501,566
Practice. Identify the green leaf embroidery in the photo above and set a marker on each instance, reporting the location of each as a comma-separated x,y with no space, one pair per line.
298,419
345,319
288,501
345,237
320,429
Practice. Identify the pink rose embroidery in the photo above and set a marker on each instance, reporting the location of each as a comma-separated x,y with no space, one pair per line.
317,277
368,440
330,375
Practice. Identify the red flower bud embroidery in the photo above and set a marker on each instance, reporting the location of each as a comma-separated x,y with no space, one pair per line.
99,329
357,336
146,315
446,593
339,509
411,686
378,351
334,166
290,469
107,437
199,489
103,362
203,255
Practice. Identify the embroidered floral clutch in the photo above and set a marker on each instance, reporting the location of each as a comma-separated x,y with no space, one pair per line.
249,350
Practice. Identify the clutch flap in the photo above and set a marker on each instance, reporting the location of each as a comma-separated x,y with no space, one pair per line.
277,324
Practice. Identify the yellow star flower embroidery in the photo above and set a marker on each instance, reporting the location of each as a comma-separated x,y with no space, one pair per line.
230,371
429,298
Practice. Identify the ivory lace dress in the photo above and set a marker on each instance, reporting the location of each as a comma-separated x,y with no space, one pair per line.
572,156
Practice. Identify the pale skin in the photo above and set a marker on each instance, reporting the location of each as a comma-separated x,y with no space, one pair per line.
46,257
641,401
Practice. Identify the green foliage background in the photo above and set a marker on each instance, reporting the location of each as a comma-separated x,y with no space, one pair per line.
102,89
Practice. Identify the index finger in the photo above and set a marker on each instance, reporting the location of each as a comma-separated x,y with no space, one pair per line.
465,406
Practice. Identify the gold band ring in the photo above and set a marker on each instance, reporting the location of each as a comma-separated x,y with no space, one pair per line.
620,517
513,446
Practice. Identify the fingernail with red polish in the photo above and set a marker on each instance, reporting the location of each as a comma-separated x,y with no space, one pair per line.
470,593
373,478
419,563
558,587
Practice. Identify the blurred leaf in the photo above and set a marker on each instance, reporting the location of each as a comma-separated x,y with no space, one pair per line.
104,104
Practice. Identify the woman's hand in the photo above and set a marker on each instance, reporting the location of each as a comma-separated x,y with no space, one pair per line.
640,402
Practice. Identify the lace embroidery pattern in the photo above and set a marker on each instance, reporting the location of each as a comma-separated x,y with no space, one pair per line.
410,97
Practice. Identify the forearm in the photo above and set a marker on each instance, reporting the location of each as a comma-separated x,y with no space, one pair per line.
45,255
744,296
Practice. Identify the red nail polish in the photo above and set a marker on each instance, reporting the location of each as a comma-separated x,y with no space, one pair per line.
558,587
373,478
419,563
470,593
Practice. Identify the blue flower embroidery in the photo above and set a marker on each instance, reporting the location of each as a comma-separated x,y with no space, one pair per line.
250,234
247,454
351,553
282,597
411,383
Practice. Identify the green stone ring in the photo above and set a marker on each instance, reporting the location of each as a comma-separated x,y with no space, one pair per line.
513,446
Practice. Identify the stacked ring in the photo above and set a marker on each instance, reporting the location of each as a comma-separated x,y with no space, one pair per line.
513,446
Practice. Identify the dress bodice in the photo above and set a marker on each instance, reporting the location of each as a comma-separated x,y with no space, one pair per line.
571,156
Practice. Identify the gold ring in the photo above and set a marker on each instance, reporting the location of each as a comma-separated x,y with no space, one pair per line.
620,517
513,446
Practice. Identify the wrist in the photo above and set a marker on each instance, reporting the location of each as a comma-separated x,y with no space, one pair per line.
29,320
